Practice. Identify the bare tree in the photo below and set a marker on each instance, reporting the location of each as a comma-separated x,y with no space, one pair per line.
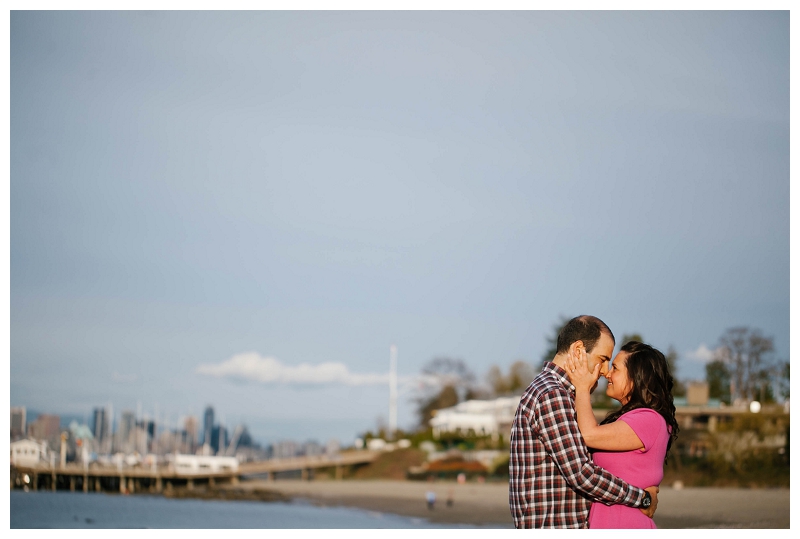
748,355
448,382
520,375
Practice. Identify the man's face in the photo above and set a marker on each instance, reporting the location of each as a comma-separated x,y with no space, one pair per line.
601,353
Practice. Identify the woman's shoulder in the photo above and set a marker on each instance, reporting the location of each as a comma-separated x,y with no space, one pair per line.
648,425
643,413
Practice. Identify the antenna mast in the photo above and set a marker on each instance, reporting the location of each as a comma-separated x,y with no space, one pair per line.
392,391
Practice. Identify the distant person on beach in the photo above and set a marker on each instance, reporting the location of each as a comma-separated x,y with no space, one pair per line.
430,496
633,441
552,479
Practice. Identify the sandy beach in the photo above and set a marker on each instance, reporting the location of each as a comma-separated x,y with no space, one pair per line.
487,504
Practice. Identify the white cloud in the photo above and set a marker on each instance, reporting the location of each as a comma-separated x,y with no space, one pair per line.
251,366
701,354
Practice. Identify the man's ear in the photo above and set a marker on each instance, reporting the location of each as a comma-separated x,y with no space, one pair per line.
577,346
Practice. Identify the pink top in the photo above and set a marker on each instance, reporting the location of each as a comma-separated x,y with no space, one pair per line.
642,468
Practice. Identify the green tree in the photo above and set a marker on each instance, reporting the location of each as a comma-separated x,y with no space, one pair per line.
520,375
626,337
450,381
719,381
552,339
783,380
678,387
444,398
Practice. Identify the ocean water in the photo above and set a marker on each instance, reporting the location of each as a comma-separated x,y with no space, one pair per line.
62,510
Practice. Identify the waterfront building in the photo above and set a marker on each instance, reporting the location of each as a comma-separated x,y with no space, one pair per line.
193,464
28,452
17,422
479,417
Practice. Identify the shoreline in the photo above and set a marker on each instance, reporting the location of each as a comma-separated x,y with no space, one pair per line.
486,504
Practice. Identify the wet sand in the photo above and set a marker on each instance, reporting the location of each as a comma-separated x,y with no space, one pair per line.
487,504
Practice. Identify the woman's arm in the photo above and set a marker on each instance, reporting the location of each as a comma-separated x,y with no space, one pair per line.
616,436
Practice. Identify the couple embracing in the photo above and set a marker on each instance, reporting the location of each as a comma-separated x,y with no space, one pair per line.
566,471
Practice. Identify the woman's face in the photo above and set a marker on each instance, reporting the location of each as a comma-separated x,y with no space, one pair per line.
619,385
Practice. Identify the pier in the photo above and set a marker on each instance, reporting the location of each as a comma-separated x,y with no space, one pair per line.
157,479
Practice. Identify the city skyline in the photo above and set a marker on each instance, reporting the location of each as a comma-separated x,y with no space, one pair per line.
116,427
251,208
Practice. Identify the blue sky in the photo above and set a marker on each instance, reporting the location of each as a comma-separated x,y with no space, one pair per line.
246,209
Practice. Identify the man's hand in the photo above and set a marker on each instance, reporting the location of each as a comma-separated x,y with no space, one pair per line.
650,511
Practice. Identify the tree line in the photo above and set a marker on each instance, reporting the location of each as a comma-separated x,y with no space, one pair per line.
744,368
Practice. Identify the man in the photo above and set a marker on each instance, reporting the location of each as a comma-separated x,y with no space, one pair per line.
553,480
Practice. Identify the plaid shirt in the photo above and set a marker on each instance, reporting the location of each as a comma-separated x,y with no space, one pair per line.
552,477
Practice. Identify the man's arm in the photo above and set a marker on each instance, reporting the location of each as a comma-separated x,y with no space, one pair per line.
562,439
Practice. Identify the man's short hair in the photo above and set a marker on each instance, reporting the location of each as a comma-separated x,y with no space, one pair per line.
584,328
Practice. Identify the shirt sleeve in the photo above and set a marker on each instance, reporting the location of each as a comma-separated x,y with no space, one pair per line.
647,424
559,432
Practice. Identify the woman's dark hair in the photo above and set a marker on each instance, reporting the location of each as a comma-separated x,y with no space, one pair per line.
648,370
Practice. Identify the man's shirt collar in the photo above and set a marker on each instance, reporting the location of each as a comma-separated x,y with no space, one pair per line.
560,373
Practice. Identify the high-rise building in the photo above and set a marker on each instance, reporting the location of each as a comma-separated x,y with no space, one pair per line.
285,449
127,424
208,425
100,426
219,439
190,427
18,425
312,449
46,427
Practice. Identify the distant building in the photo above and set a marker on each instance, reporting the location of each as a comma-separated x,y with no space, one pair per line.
47,428
479,417
149,426
312,449
697,394
332,447
100,425
194,464
28,452
18,426
219,439
124,435
285,449
190,428
208,425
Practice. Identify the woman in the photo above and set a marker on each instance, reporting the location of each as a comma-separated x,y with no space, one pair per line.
632,442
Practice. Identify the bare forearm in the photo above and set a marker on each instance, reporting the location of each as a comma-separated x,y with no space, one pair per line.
586,420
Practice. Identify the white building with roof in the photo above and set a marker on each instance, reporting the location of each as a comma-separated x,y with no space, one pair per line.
202,464
28,452
481,417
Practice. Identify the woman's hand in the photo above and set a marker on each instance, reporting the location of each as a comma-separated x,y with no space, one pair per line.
578,371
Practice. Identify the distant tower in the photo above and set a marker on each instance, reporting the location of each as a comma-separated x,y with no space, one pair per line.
18,425
392,390
100,426
208,425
